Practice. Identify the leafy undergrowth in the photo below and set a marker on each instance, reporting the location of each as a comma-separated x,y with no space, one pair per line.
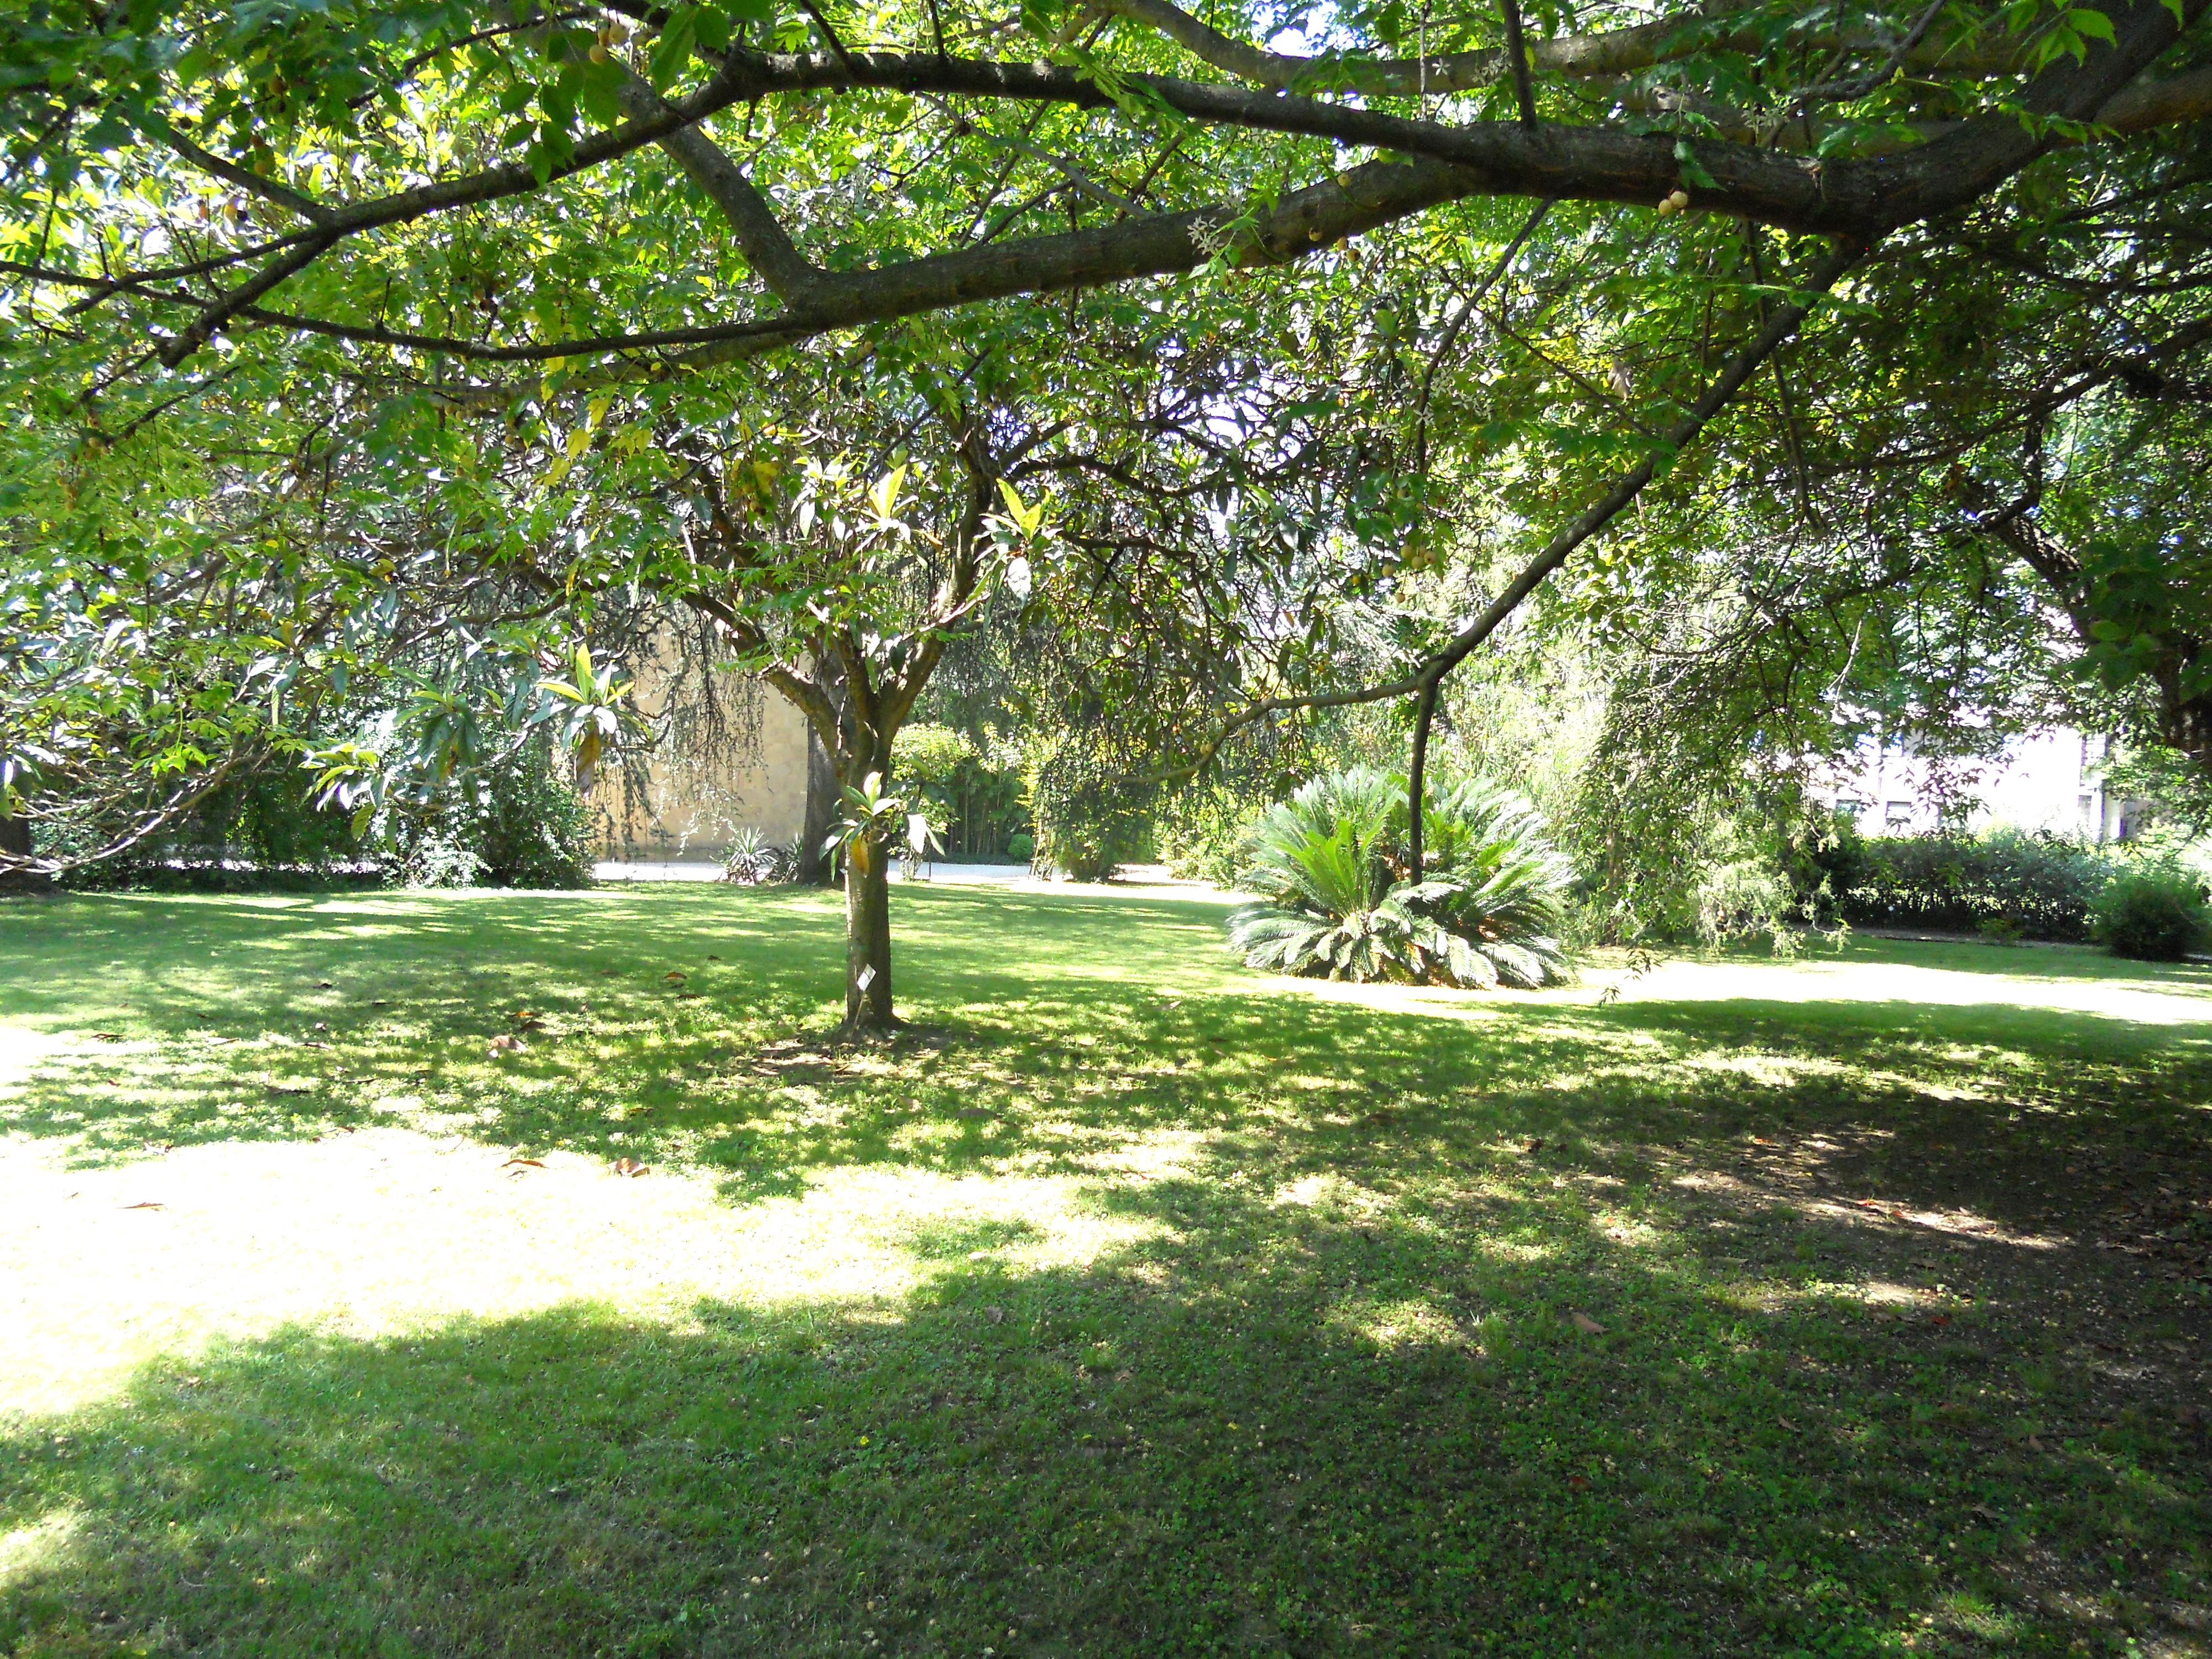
1128,1303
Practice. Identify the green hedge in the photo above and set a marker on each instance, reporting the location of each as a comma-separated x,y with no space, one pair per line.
2044,886
521,825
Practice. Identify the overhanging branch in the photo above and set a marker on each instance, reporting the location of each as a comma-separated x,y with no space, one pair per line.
1780,327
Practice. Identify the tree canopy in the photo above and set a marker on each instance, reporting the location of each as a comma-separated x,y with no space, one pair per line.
1259,361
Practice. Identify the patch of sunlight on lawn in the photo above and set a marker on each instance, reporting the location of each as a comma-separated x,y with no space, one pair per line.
389,1230
1815,979
27,1551
23,1052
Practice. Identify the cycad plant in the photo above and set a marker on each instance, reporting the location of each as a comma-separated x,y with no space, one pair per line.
1330,866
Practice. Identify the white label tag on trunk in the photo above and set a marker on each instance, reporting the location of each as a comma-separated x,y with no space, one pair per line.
868,978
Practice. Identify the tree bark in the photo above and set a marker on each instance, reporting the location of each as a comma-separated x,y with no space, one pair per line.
868,936
814,866
16,843
1416,811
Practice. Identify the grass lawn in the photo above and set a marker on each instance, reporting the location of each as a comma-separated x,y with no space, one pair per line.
1129,1303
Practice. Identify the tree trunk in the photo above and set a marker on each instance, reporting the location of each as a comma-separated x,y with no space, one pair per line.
822,791
867,936
15,842
1417,805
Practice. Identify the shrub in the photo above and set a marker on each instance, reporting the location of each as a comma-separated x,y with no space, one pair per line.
974,790
261,829
1331,865
517,823
1669,852
2157,914
1082,807
753,860
1021,848
929,754
1203,832
2043,884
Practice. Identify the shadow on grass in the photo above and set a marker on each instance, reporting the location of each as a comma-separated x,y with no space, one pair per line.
1317,1430
686,1028
1334,1403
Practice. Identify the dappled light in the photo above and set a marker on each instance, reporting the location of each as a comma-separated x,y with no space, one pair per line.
1852,1305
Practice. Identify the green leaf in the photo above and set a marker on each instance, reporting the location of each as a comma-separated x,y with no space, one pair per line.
2090,25
1693,170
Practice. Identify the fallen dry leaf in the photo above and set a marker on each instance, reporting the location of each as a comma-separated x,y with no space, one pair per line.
675,976
1582,1322
994,1315
524,1163
506,1044
629,1166
109,1037
146,1204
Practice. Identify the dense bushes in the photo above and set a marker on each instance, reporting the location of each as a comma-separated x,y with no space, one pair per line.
1088,812
1961,883
1331,865
517,823
521,824
976,789
262,829
2154,915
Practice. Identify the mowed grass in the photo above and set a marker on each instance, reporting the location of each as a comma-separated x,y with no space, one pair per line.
1128,1303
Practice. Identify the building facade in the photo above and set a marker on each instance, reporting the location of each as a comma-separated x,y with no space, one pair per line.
731,756
2049,781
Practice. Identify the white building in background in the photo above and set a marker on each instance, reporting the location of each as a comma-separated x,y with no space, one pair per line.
2050,780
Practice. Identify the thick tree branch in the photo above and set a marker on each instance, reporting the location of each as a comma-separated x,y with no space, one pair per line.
1578,56
761,237
269,190
1858,200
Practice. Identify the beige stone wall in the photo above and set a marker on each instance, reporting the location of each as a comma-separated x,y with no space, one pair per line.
695,790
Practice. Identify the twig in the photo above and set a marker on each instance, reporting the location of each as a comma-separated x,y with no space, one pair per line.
1516,54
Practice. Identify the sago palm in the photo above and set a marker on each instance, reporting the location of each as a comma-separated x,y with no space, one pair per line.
1330,866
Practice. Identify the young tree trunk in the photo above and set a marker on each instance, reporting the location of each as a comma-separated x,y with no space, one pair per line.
1417,805
854,705
868,936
